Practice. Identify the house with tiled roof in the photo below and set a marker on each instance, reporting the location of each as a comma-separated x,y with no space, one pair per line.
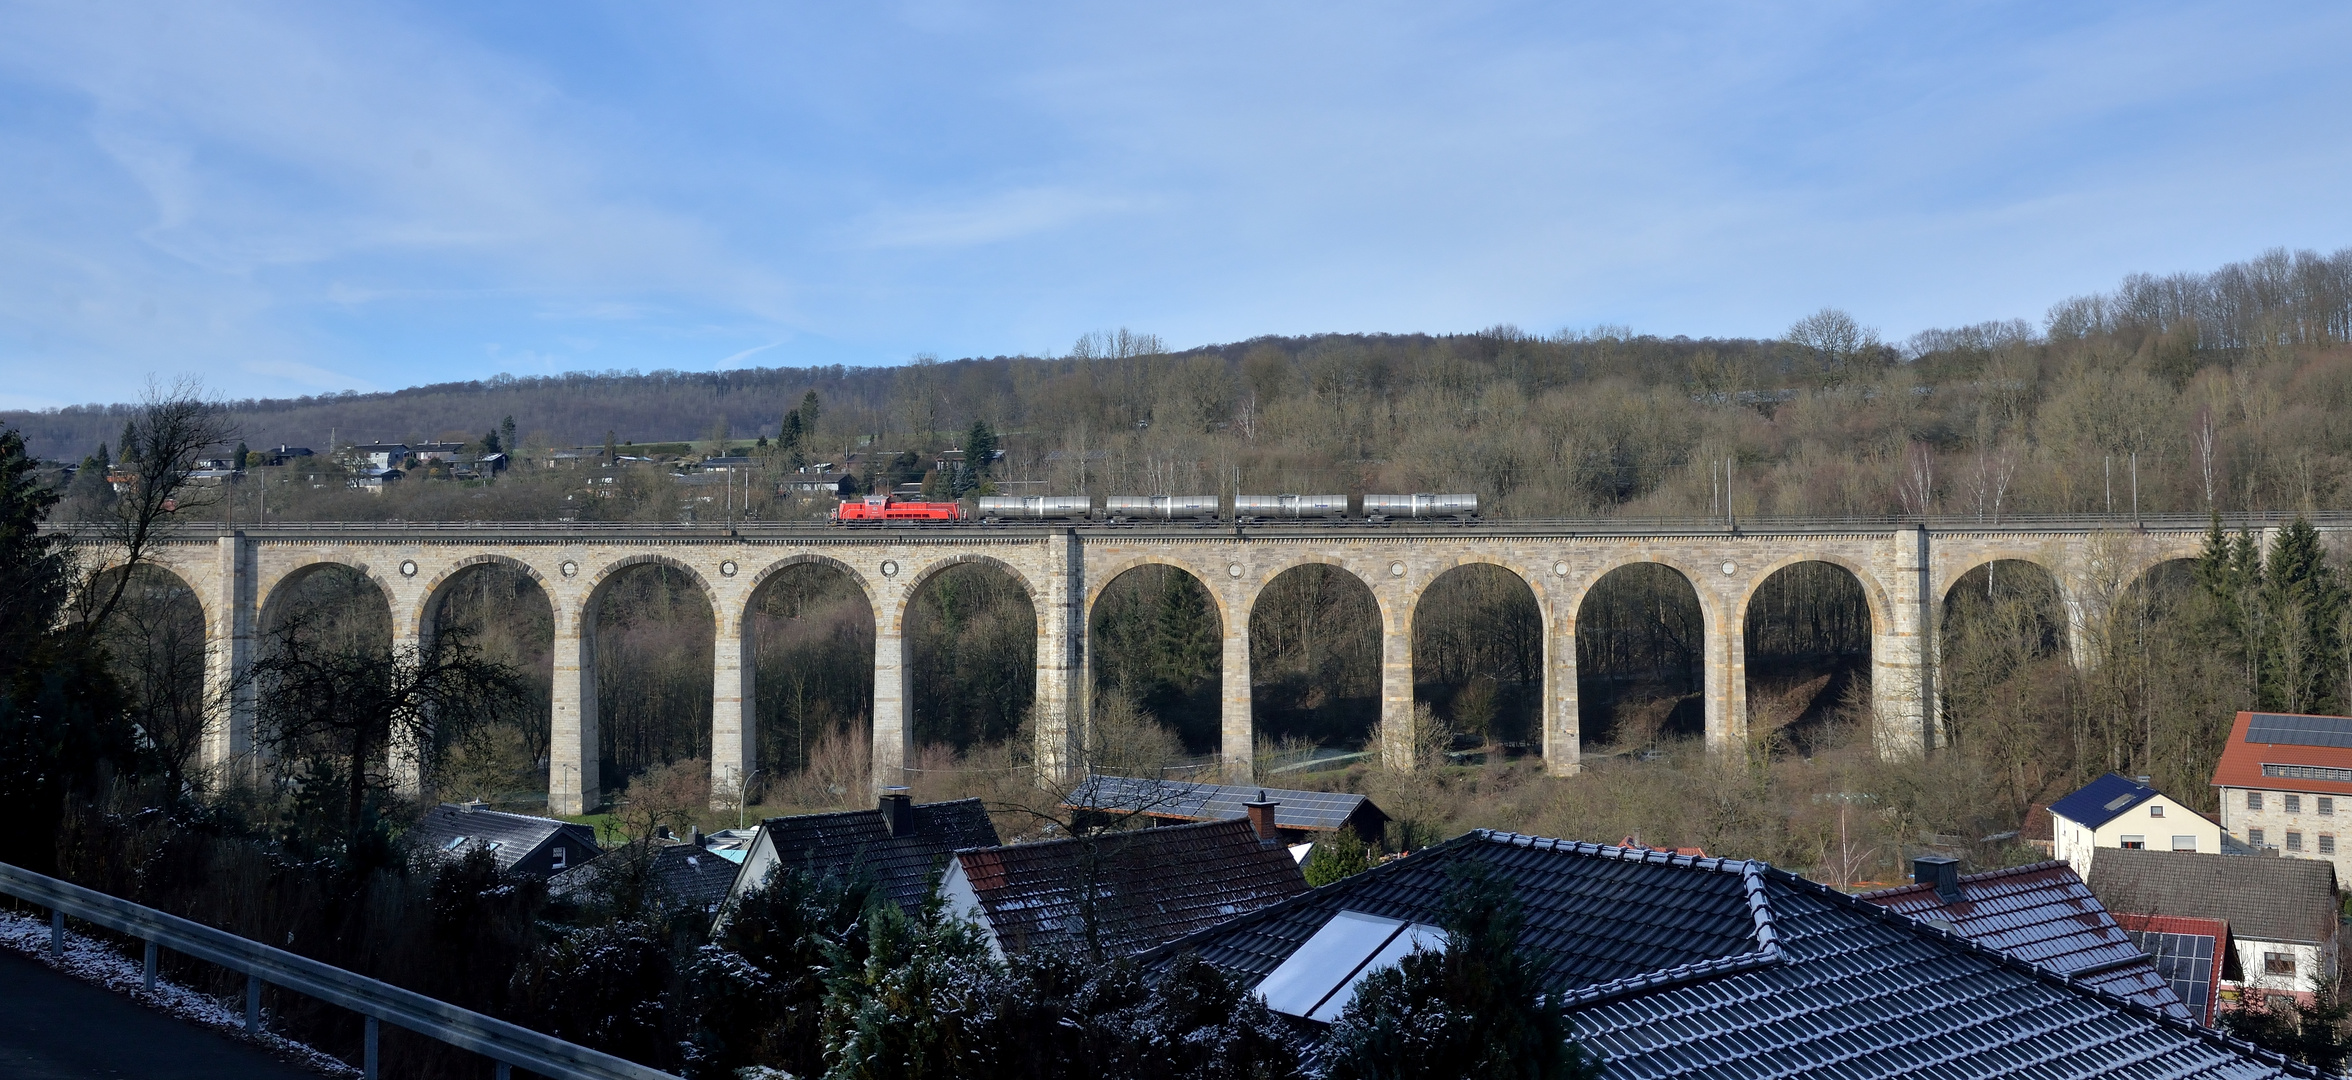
2119,812
2041,913
1674,966
1301,816
1121,892
676,874
2280,913
900,845
534,846
2282,779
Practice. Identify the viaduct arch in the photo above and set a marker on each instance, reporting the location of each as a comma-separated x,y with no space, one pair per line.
1904,569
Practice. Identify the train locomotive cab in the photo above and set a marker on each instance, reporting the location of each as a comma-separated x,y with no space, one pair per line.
880,508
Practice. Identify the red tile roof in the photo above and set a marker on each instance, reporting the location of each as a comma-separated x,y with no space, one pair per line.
2043,914
1148,885
2242,762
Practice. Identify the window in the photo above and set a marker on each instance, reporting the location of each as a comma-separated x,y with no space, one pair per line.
2327,806
2135,842
2155,809
2294,804
453,843
559,858
2184,843
2254,837
2327,843
2278,963
2253,800
2294,840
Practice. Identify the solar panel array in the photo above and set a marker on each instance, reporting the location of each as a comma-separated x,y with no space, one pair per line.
1214,802
2184,960
2297,730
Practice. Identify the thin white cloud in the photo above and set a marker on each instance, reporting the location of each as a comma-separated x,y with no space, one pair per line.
992,218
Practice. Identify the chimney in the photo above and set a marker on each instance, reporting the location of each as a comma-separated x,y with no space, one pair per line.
898,811
695,837
662,832
1261,816
1941,871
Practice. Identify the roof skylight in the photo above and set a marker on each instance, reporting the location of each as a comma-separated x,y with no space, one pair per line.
1317,980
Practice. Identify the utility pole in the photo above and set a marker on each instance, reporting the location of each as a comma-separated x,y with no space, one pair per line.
2135,482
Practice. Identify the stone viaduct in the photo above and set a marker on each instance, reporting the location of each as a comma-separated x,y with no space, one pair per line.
1905,570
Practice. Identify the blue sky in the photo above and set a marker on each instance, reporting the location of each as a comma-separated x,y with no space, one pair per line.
295,198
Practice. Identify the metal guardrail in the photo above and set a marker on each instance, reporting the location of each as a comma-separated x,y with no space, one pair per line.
508,1044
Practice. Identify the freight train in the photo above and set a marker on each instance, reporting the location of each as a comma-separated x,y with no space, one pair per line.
1129,509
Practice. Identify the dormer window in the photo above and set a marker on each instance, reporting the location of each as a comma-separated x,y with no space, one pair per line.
559,858
2156,810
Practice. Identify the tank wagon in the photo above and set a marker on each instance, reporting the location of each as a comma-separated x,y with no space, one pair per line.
1035,507
1248,508
1127,509
1161,507
1383,507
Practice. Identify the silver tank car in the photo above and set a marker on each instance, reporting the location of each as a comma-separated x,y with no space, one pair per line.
1290,506
1420,506
1161,506
1035,506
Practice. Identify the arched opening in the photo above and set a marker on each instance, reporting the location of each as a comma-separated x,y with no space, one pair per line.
2162,663
1314,667
154,642
812,633
508,619
1156,646
322,629
2002,671
971,647
1640,646
654,637
1808,655
1478,657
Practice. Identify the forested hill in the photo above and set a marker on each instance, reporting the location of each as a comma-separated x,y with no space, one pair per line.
2229,390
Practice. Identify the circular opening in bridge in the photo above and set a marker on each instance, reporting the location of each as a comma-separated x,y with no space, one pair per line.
813,645
1314,669
971,648
1157,648
154,640
655,639
1478,659
321,626
1639,643
1808,656
504,616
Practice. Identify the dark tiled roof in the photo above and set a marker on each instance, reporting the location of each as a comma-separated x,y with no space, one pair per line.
2044,914
679,875
2101,800
2267,898
1737,970
1855,991
514,835
1593,920
856,842
1323,810
1147,885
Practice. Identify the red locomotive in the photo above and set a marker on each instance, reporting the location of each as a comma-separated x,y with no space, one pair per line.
885,508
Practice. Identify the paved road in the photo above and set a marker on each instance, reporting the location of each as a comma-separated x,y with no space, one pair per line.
55,1027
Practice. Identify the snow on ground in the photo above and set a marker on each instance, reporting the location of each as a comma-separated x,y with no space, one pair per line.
95,961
